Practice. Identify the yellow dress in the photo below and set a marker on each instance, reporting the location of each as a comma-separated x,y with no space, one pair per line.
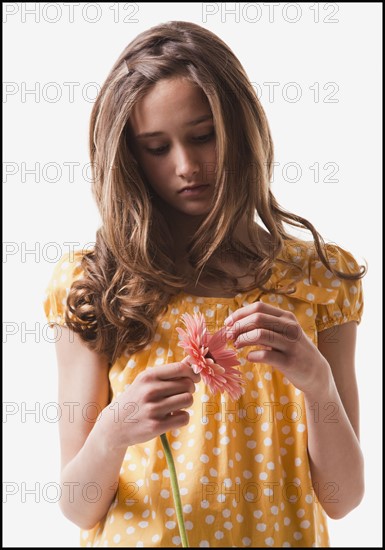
242,467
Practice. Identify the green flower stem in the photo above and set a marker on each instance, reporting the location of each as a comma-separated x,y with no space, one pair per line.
175,490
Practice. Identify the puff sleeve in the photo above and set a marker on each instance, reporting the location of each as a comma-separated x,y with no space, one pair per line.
67,270
347,302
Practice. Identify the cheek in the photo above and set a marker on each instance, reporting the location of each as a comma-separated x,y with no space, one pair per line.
156,172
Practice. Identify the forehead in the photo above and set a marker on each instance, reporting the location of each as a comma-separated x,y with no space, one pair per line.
169,101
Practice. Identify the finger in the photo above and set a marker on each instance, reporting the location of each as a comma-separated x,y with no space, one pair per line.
175,403
261,336
177,370
272,358
175,387
256,320
176,419
255,307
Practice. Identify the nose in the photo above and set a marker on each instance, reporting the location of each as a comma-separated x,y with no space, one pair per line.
186,164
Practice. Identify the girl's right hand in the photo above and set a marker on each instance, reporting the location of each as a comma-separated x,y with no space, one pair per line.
153,404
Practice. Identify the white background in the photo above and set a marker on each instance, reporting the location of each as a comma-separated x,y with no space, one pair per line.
43,54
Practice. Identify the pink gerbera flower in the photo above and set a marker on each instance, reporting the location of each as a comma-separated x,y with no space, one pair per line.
207,355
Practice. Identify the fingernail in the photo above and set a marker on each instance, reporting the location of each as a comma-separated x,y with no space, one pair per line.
229,321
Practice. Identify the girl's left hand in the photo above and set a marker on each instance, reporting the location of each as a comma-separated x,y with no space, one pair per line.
284,344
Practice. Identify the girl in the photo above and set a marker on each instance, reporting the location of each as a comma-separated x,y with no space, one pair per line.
182,159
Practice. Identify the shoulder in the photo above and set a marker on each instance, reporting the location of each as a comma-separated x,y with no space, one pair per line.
337,299
305,254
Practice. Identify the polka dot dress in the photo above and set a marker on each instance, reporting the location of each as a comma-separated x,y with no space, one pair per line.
242,467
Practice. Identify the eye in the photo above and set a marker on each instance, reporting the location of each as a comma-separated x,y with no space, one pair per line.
158,150
205,137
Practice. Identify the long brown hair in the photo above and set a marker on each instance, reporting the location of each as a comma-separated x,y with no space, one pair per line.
130,275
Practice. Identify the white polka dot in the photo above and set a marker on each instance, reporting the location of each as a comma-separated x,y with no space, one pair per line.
258,457
176,540
228,525
261,526
170,524
297,535
225,440
286,521
257,514
130,530
164,493
301,513
251,444
309,312
274,510
298,462
204,458
336,283
263,475
267,441
219,535
170,511
270,466
305,524
301,428
210,519
246,541
204,544
310,296
143,524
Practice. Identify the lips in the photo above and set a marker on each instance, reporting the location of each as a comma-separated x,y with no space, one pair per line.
193,187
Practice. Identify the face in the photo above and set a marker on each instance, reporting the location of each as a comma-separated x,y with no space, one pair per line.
173,139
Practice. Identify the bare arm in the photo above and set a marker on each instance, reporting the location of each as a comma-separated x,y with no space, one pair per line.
336,459
92,447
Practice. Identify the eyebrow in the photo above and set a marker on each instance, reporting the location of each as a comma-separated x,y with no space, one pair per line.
195,122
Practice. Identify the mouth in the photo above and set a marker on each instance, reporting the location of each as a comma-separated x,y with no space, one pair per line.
194,188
